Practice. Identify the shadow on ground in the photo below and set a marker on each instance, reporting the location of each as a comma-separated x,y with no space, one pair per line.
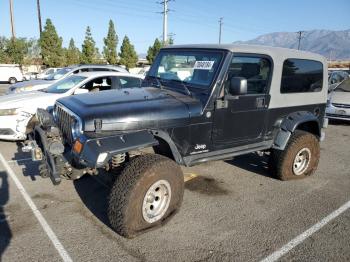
254,163
29,167
94,192
336,122
5,231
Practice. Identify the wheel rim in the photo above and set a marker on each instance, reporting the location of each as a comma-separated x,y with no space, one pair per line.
156,201
301,161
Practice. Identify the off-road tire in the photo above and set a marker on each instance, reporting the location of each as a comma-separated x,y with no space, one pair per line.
12,80
130,187
281,161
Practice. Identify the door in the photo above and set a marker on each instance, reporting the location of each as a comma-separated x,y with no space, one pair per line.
240,119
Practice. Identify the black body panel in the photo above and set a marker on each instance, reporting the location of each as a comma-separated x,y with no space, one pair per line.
134,109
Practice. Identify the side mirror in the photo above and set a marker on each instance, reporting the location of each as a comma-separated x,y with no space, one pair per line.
238,86
79,91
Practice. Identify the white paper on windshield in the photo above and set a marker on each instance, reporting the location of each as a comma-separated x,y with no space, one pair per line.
204,65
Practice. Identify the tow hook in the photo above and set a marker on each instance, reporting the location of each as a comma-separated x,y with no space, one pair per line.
31,146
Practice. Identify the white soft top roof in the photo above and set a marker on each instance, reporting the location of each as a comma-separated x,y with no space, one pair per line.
256,49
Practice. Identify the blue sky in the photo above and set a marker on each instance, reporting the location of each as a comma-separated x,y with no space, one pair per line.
192,21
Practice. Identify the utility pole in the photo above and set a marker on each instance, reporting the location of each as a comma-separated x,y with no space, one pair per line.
220,24
165,20
12,20
300,36
39,16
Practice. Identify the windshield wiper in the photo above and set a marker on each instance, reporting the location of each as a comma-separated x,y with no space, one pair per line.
159,83
183,85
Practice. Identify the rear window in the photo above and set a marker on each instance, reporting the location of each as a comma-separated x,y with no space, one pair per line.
301,76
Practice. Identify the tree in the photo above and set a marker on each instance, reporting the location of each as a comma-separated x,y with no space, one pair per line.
51,46
153,50
72,54
111,42
15,50
88,50
3,57
128,56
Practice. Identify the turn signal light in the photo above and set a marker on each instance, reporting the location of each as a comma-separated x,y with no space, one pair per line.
78,146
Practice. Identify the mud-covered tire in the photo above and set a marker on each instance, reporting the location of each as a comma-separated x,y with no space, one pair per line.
128,195
284,163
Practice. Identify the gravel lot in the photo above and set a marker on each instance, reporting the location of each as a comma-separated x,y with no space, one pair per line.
232,211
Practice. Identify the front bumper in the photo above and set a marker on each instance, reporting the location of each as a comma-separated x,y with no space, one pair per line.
14,127
339,112
61,160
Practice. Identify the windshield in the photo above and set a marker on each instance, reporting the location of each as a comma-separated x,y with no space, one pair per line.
344,86
58,74
192,69
64,85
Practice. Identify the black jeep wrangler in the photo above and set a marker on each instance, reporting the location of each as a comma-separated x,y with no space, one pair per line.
198,103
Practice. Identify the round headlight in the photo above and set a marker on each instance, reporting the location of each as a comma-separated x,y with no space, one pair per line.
76,129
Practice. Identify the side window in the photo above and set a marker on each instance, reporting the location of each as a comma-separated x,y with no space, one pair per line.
50,72
75,71
99,69
129,82
301,76
257,71
98,84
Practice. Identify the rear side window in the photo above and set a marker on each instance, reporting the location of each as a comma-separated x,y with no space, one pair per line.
129,82
301,76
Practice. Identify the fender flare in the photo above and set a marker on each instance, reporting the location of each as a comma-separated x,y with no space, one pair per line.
114,144
289,124
165,136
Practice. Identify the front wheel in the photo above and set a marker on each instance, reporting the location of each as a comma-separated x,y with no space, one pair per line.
299,159
146,194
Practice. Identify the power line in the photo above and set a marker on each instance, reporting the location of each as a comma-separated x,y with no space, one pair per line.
220,25
39,16
12,20
300,36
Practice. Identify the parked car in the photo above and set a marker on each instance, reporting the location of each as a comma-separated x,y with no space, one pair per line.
17,111
336,78
30,76
47,72
10,73
60,74
199,103
338,104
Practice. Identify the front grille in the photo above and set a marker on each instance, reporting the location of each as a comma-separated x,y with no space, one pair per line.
341,105
65,122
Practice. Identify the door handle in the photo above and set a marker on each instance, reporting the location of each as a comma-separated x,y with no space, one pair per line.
260,102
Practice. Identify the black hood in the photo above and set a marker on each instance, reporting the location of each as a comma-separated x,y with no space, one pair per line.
133,108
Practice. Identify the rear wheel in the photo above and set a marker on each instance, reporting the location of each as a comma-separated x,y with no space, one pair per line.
299,159
145,195
12,80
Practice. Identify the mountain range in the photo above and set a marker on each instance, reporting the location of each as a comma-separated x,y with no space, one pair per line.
335,45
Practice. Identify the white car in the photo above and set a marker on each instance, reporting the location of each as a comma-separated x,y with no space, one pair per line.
38,84
18,111
338,103
47,72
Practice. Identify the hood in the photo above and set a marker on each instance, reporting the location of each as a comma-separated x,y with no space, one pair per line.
29,101
35,82
133,108
340,98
